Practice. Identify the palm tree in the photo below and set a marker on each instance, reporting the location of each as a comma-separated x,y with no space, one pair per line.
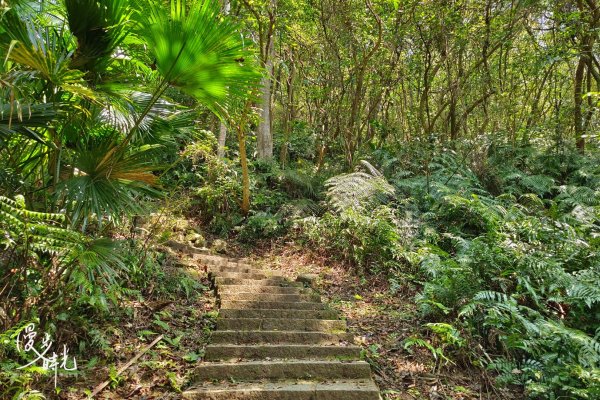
82,111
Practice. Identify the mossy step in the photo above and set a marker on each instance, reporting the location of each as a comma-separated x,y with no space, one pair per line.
295,369
220,269
279,337
274,305
359,389
242,296
230,352
278,313
207,259
281,324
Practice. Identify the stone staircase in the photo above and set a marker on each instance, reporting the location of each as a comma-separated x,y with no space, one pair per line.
275,340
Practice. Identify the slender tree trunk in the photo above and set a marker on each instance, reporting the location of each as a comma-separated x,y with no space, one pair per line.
241,136
577,112
590,10
245,174
290,115
221,140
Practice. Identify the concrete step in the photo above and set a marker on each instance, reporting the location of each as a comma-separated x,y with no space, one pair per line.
274,305
296,369
278,337
220,269
224,289
228,268
212,259
289,298
231,352
206,259
242,275
221,280
281,324
278,313
359,389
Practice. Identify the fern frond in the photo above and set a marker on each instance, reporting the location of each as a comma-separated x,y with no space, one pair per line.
585,287
358,189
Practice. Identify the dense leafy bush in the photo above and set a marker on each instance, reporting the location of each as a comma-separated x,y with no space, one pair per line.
57,262
369,243
261,225
70,284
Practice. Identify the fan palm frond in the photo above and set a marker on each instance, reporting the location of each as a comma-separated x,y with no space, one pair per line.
45,53
107,182
16,119
198,51
125,107
100,259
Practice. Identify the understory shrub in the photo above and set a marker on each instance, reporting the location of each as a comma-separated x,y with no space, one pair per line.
261,225
369,243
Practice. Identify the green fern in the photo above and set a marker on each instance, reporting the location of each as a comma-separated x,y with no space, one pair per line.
35,245
358,190
585,288
572,196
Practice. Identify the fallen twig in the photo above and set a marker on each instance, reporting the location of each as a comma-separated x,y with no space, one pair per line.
104,384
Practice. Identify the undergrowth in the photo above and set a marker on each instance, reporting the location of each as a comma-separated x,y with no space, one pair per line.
506,254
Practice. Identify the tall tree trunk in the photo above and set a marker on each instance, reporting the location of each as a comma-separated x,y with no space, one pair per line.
590,10
353,134
222,126
245,173
241,136
264,139
221,140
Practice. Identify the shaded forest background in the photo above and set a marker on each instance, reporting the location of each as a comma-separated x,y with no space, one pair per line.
445,147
